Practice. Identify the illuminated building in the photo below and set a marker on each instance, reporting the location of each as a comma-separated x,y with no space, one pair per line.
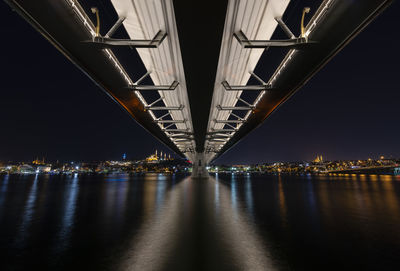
153,158
318,159
44,169
38,162
26,169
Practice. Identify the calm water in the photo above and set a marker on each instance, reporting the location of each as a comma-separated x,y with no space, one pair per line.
227,222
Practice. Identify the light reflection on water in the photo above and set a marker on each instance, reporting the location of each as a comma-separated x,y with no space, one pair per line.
282,203
68,213
3,190
249,196
230,222
240,236
161,235
27,215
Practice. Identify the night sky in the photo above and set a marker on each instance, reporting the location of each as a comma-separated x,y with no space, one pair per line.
349,110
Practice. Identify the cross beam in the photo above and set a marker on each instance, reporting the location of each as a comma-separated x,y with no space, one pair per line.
155,108
293,43
228,121
243,108
170,121
248,87
106,42
177,131
221,131
159,87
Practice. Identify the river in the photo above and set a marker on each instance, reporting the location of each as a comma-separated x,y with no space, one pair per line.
173,222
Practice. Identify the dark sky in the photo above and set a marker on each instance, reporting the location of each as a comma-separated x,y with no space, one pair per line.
349,110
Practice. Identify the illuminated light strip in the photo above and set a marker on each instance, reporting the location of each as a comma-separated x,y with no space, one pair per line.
318,17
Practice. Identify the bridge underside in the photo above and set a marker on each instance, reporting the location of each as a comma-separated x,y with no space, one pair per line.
196,74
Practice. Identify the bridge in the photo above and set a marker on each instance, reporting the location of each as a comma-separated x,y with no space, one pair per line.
201,75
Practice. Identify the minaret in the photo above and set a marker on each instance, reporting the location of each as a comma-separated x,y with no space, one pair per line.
161,156
156,153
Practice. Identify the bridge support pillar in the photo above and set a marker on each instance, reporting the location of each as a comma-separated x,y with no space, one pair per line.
199,166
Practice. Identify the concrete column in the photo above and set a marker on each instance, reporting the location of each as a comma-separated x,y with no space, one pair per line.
199,166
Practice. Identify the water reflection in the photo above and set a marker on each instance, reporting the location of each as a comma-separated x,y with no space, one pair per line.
173,232
233,198
230,222
150,191
249,196
4,185
68,213
27,214
151,246
282,203
216,193
246,246
115,192
160,194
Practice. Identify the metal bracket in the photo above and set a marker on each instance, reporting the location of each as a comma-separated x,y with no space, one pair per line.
163,116
245,102
182,140
169,125
228,121
293,43
262,87
249,87
221,131
156,101
137,87
106,42
214,150
150,87
218,140
170,121
180,136
177,131
236,116
219,136
243,108
154,108
117,24
285,28
231,126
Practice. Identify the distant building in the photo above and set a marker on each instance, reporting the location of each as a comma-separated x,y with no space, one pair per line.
26,169
43,169
153,158
38,162
318,159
